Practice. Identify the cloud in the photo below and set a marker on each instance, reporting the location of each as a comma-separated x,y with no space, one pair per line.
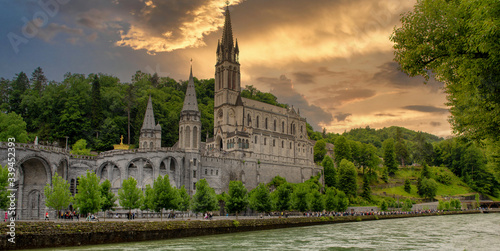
283,89
435,123
425,108
389,74
342,116
304,77
385,115
335,97
50,31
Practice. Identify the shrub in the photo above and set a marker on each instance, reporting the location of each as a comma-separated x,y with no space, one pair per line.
236,223
407,186
444,178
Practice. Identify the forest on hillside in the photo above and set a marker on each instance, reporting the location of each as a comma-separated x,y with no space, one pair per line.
100,108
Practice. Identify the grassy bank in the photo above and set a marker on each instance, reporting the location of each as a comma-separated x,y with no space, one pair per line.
55,234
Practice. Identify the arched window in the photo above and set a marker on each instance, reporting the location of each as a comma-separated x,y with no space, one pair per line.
188,137
247,145
151,145
283,126
282,144
265,124
249,120
145,145
239,143
255,142
234,79
274,125
301,131
195,137
274,142
290,145
229,81
265,141
257,122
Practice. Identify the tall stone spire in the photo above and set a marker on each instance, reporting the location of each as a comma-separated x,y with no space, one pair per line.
149,117
190,102
227,33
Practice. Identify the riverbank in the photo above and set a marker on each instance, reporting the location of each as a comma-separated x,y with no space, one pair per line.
59,234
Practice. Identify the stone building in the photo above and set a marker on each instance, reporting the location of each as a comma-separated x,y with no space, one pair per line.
253,142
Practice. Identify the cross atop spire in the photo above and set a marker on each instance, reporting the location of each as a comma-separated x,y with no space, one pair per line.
190,102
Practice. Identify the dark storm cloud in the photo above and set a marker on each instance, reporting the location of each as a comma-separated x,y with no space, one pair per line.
425,108
385,115
342,116
282,88
435,124
389,74
304,77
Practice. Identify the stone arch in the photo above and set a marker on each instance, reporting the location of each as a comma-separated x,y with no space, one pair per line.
34,173
62,169
249,120
257,121
29,160
220,143
102,170
34,204
170,166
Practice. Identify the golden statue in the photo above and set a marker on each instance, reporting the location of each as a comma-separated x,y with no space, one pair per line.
121,146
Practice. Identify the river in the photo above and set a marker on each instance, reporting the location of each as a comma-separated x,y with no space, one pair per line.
452,232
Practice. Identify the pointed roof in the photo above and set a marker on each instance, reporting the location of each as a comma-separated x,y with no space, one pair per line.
149,117
227,33
190,102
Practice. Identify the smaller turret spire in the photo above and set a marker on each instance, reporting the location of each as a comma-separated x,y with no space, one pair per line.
149,117
190,102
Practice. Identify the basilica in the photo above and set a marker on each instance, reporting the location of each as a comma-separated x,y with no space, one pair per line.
253,142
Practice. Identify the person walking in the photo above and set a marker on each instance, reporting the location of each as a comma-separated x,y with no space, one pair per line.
46,215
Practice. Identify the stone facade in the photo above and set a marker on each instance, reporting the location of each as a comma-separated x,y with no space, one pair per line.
253,142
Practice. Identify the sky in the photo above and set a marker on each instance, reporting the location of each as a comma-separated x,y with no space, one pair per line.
331,59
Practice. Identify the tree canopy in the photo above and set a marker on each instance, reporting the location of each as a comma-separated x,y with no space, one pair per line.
57,194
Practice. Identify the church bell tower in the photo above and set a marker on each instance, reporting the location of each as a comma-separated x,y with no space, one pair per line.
227,80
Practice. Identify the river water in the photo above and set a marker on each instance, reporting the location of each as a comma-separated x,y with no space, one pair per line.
451,232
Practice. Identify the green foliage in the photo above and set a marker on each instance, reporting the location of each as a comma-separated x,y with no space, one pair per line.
185,199
89,198
454,42
428,188
384,206
252,93
108,197
238,198
260,199
96,111
402,154
130,195
166,196
348,178
12,125
407,186
342,150
390,156
300,197
385,175
4,178
282,197
319,150
407,205
204,199
277,181
330,172
367,191
236,223
317,201
80,148
426,173
148,200
58,196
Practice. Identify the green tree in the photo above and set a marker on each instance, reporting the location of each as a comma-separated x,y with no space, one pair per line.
282,197
277,181
317,201
108,197
402,154
260,199
148,200
185,199
89,198
300,197
80,148
38,80
238,198
342,150
342,201
166,197
348,178
407,186
390,156
426,173
130,195
19,87
204,199
454,42
367,190
319,150
428,188
330,199
58,196
330,171
96,116
12,125
384,206
407,205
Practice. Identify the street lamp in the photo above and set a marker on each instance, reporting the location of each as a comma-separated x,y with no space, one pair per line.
67,143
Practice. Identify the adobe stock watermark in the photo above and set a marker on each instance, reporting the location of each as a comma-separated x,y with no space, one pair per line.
40,19
11,213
